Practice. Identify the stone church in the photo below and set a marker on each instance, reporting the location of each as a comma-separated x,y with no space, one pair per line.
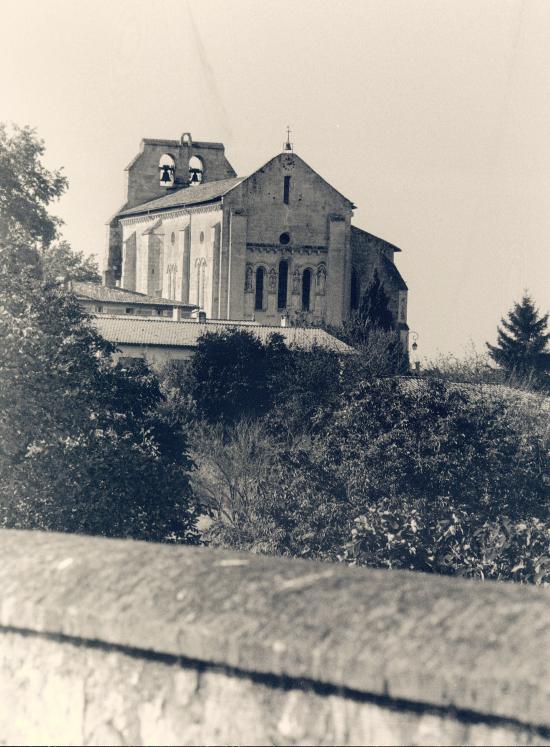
275,247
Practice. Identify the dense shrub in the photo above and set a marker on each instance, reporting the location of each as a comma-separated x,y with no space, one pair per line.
436,536
84,446
264,495
233,376
424,439
227,376
410,474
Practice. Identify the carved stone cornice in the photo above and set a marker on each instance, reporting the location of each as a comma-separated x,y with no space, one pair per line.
305,249
170,214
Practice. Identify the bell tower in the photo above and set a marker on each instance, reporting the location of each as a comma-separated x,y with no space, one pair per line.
163,166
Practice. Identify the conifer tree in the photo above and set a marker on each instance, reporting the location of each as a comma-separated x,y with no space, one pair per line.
522,341
374,309
372,326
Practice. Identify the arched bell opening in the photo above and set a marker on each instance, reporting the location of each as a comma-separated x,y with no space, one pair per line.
167,171
196,170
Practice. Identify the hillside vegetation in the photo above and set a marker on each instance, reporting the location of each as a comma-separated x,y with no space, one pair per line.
334,462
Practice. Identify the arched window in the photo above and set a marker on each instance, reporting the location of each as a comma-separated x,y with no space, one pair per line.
259,293
203,283
306,290
283,284
198,293
196,170
167,170
355,290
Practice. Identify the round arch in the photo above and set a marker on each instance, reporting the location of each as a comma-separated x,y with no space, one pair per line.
308,280
260,287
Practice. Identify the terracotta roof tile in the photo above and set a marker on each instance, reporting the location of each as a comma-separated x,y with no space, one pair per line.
186,333
103,294
187,196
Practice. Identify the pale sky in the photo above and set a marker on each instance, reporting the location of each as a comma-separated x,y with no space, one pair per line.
433,116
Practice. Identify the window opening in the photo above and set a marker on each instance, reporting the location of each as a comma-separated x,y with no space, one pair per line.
283,284
259,297
284,238
286,190
306,290
167,170
196,170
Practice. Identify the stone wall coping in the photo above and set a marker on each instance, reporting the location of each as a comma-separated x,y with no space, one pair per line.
425,639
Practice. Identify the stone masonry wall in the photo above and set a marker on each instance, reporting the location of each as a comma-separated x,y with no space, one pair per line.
122,642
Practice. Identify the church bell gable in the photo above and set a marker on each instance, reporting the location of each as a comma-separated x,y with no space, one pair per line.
164,165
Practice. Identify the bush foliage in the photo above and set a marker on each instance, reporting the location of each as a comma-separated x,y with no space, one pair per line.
85,446
398,473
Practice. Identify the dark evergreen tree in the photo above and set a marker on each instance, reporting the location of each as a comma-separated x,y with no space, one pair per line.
374,309
522,341
373,316
372,330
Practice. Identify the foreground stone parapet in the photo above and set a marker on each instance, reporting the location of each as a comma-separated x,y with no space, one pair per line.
121,642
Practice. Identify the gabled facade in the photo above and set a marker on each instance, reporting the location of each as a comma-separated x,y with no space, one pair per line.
278,243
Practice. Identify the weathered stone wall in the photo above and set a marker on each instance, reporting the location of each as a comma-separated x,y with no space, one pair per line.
307,218
369,254
143,171
121,642
175,251
142,185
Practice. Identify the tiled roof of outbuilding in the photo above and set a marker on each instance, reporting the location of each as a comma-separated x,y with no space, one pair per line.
187,196
104,294
185,334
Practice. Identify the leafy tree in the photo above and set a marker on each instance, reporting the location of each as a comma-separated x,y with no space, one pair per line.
371,330
302,383
234,376
26,189
428,440
59,260
267,498
522,342
374,308
227,376
84,446
405,474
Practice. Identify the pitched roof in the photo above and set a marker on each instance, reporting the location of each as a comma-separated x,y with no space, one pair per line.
104,294
362,235
210,191
206,192
185,334
394,273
